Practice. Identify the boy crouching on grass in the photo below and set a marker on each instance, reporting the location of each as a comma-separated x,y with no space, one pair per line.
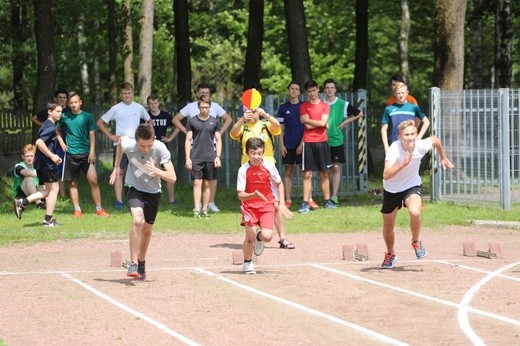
258,187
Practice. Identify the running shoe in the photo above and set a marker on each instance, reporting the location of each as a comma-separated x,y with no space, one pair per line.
389,261
213,208
51,223
204,213
304,208
196,213
329,205
288,203
78,213
249,268
258,247
102,212
40,206
335,200
18,208
420,251
119,205
141,270
313,205
132,270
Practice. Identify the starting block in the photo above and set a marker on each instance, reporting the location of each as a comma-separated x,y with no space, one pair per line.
361,253
348,252
494,250
238,257
116,259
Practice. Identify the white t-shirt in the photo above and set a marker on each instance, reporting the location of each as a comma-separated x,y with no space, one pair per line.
408,176
192,109
127,117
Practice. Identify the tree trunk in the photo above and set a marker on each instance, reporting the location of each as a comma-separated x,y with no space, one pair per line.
46,53
476,81
404,33
19,35
361,66
297,40
255,37
503,44
145,50
112,52
128,44
85,85
448,45
183,58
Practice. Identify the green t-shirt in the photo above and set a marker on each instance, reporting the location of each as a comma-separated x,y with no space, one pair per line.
77,127
338,113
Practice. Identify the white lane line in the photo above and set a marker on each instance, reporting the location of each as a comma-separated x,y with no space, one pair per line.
112,301
508,277
419,295
463,310
311,311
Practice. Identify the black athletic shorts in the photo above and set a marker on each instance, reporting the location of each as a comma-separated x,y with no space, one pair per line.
149,202
291,158
397,200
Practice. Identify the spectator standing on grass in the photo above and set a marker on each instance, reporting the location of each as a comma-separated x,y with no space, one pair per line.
203,149
161,121
314,114
80,146
341,113
60,97
398,112
250,126
394,79
402,186
216,111
45,162
127,115
25,177
149,161
259,188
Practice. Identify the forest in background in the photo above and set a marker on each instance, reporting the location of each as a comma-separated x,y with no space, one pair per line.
218,42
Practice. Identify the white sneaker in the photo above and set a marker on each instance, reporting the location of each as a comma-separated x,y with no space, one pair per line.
213,208
258,247
249,268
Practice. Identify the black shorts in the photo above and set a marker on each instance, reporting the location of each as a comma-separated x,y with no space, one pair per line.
337,154
18,193
203,170
397,200
124,159
149,202
316,156
291,158
74,165
45,176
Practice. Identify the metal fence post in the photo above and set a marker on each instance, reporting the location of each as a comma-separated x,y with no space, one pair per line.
505,150
435,179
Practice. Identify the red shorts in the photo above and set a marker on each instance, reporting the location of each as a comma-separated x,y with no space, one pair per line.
263,216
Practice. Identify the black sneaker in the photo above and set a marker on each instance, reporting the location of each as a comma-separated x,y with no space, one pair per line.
51,223
132,270
40,206
18,208
141,270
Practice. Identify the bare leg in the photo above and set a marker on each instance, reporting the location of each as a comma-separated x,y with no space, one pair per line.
213,190
307,185
94,186
335,176
388,230
325,187
170,187
287,181
197,193
249,240
206,192
413,203
136,233
118,186
74,195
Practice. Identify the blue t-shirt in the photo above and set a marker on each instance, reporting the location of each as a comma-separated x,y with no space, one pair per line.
160,123
289,116
47,133
397,113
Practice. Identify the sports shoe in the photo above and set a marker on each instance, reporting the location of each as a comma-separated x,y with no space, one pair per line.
196,213
288,203
132,270
174,203
18,208
304,208
329,205
78,213
335,200
119,205
102,212
258,247
51,223
313,205
249,268
204,213
389,261
141,270
213,208
40,206
420,252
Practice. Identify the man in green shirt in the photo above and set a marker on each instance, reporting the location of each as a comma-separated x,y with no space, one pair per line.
341,113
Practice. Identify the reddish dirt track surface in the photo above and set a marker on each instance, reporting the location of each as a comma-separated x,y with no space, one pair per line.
66,292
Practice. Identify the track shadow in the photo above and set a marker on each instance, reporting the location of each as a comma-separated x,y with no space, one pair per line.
396,269
228,245
126,282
